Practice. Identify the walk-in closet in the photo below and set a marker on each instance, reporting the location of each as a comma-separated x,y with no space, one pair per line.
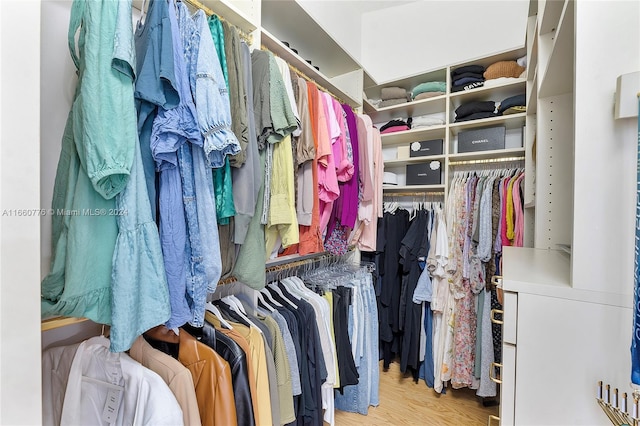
319,212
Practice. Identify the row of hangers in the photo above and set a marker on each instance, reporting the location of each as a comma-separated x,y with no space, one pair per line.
492,172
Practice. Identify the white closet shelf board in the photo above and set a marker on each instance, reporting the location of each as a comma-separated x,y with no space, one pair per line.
410,109
413,135
403,188
493,93
551,15
289,21
279,49
413,160
512,121
224,9
485,155
532,95
547,273
557,78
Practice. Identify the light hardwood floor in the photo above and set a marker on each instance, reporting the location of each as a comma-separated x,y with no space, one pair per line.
404,402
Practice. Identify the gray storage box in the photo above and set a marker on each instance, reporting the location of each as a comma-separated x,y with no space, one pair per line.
426,148
427,173
485,139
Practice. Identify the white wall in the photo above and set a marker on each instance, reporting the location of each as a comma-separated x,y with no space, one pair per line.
343,19
20,388
57,87
605,149
422,36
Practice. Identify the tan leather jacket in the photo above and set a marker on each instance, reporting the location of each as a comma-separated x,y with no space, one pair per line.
212,379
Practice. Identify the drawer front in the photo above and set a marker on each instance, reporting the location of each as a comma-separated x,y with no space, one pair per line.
508,385
510,317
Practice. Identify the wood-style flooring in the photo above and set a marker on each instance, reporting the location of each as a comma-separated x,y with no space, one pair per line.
404,402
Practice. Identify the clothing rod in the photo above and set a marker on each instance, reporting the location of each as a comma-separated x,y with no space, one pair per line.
411,194
485,161
195,3
57,322
292,263
306,77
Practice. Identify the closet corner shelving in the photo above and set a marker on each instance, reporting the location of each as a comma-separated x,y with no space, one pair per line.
443,107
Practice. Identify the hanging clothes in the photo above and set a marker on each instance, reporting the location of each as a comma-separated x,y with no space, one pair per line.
133,395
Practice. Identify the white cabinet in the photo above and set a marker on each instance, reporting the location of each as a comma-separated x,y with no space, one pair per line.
558,342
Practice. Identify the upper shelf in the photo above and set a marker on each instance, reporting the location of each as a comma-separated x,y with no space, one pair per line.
225,9
232,13
557,78
289,21
279,49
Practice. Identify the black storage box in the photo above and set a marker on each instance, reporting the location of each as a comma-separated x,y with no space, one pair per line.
485,139
428,173
426,148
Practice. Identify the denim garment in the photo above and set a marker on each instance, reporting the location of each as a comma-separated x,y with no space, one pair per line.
427,369
212,99
191,28
155,83
171,129
194,265
357,398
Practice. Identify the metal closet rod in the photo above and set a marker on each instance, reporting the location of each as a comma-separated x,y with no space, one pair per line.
195,3
412,194
486,161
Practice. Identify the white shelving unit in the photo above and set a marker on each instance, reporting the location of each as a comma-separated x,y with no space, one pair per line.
443,107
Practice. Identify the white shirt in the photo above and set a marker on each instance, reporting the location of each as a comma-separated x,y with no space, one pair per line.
107,388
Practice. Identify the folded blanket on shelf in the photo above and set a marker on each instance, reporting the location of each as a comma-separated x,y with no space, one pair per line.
517,100
427,95
393,129
468,86
426,120
474,107
476,116
391,102
503,69
468,68
514,110
393,123
388,93
429,86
